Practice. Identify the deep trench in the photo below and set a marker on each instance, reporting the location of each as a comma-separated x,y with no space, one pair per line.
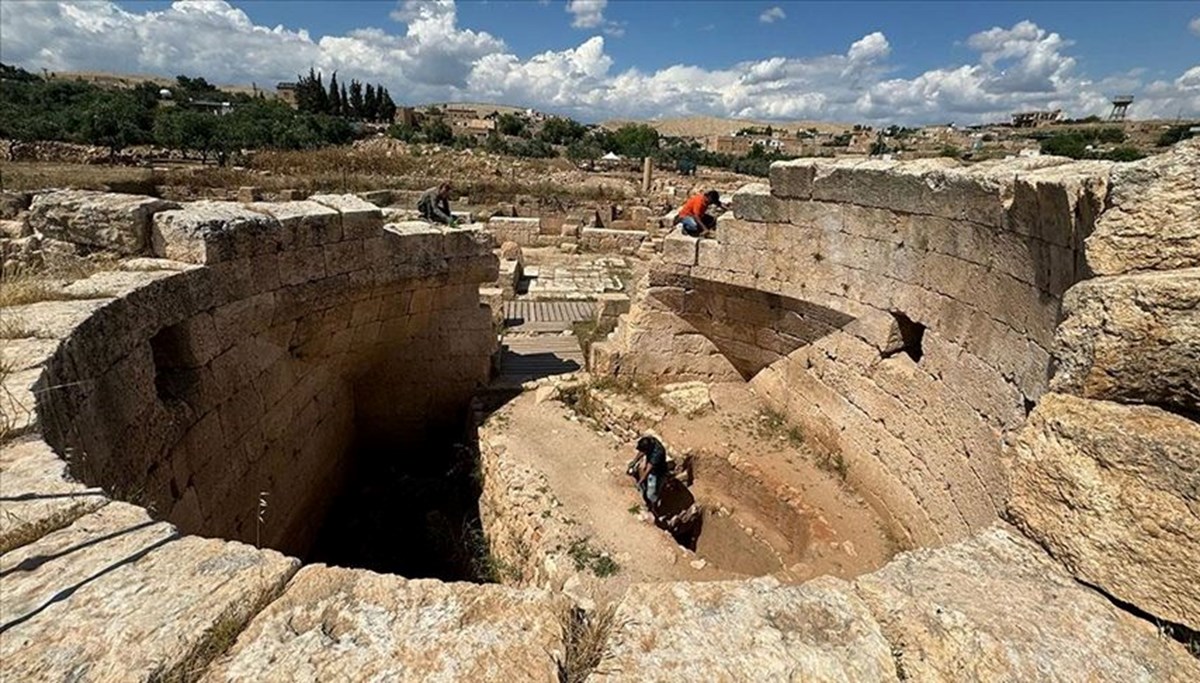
409,507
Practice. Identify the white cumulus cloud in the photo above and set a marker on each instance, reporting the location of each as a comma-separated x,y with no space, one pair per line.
588,13
772,15
1194,26
428,56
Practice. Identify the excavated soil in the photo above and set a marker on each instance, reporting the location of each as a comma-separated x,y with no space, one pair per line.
746,528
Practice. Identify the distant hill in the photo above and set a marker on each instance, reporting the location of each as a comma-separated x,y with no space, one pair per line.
479,107
702,126
110,80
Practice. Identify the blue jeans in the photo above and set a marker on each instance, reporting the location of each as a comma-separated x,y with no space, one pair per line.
691,226
650,489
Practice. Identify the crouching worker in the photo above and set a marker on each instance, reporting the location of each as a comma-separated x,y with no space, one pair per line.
649,468
434,205
694,218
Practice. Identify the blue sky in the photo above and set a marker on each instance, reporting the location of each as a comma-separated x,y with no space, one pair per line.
872,61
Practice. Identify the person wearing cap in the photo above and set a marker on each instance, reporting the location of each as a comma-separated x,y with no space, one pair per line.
693,217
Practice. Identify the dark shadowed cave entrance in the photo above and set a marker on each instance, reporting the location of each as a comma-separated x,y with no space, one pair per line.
409,507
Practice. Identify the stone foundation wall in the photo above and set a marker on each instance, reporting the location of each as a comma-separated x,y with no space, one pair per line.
913,319
248,378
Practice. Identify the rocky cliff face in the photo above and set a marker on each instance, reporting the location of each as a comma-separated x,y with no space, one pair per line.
1106,476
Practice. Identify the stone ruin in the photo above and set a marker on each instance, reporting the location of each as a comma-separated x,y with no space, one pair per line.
1005,356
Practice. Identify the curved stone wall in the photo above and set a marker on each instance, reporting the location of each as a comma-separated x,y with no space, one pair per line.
913,313
245,382
96,589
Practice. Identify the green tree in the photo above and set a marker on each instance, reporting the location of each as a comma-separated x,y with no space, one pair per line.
356,99
636,140
114,122
370,104
335,97
558,130
437,130
1172,135
511,124
387,108
583,150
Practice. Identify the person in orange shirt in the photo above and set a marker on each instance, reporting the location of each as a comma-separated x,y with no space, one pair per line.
694,218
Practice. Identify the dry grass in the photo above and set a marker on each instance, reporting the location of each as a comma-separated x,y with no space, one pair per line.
484,178
17,176
585,641
21,286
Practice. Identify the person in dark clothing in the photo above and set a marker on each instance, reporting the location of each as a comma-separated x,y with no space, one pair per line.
434,205
649,468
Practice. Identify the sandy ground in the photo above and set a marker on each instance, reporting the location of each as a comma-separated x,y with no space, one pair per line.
744,533
586,471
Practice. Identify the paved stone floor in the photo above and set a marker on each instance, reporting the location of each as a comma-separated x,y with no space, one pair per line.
580,280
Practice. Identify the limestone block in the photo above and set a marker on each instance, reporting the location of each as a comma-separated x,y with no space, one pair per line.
117,222
333,621
1153,219
468,240
379,198
210,232
39,496
115,596
680,249
1132,338
360,218
305,223
49,319
755,203
610,305
14,230
1112,492
610,240
249,193
753,630
792,179
13,203
879,329
997,608
523,231
1059,204
935,187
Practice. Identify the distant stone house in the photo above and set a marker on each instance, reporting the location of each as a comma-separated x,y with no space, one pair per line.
286,91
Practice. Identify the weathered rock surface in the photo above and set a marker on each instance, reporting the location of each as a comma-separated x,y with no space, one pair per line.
118,222
687,398
38,496
746,631
1133,339
1113,492
206,232
360,218
754,202
1153,222
335,623
116,596
13,203
997,608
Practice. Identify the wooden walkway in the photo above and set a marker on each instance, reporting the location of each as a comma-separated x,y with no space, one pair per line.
546,316
523,359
